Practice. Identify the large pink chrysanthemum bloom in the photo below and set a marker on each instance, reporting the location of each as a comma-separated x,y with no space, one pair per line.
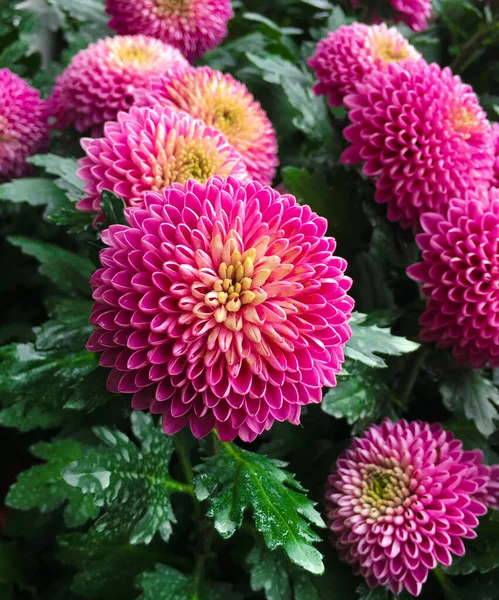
23,124
147,150
460,276
192,26
402,499
414,13
221,305
101,80
347,55
422,135
226,104
495,136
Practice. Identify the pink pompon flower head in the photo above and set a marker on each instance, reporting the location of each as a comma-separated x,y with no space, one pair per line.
221,305
192,26
226,104
347,55
101,80
422,134
401,500
148,149
414,13
460,277
23,124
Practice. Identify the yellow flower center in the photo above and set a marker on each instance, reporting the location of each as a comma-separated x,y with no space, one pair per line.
196,159
389,50
464,121
227,115
129,53
234,286
167,7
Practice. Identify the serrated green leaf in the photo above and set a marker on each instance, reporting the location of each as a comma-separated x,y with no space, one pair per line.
166,583
278,578
113,208
36,191
91,392
368,342
275,69
106,568
68,328
65,169
130,481
235,480
35,385
70,272
357,396
43,487
475,396
482,553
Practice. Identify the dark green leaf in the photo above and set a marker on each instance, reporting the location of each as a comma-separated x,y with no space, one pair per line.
132,483
277,577
357,396
380,593
43,487
107,568
91,392
475,396
68,329
113,208
368,342
166,583
70,272
35,385
35,191
235,480
65,168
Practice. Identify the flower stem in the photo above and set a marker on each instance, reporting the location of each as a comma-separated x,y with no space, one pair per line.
445,583
183,457
408,377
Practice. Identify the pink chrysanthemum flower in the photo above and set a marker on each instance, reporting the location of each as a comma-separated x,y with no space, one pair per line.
222,305
460,276
226,104
101,80
495,136
401,500
147,150
23,124
422,135
347,55
414,13
192,26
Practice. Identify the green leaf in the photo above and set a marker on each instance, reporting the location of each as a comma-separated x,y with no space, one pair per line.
69,272
68,329
276,69
130,481
234,480
113,208
380,593
107,568
368,342
475,396
166,583
482,553
35,191
35,385
277,577
357,396
91,392
65,168
43,487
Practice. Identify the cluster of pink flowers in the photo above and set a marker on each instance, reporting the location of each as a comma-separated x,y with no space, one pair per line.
221,303
424,139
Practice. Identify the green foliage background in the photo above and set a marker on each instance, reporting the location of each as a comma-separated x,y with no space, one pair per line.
98,503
